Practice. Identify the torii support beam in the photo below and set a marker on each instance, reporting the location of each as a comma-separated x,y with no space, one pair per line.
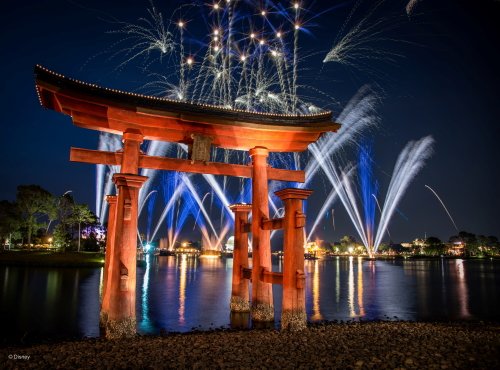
239,292
183,165
108,261
293,315
262,292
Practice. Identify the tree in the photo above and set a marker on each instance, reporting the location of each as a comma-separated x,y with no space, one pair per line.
52,212
470,242
82,214
493,244
434,246
10,221
33,202
65,209
61,236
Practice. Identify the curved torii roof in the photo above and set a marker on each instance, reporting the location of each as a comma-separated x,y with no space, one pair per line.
103,109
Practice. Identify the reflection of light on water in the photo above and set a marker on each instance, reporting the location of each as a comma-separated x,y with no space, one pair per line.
182,287
207,256
360,287
463,295
145,322
352,313
101,282
337,281
315,290
352,310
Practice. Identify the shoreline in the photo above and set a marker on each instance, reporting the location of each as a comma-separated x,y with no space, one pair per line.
349,345
44,258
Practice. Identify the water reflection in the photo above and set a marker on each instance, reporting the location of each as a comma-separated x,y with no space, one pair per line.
315,292
145,322
462,289
360,287
181,293
182,288
337,281
352,313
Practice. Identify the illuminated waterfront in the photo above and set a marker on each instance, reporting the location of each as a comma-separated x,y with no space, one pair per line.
184,293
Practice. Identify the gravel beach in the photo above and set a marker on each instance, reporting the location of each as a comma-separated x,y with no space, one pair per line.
353,345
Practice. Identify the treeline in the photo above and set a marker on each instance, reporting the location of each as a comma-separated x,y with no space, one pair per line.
38,217
463,244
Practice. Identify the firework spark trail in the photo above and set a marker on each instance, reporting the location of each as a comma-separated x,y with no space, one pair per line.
189,186
410,7
157,149
368,188
380,210
409,163
295,58
151,206
198,214
171,202
182,83
442,203
210,179
147,36
328,202
358,115
104,182
362,41
187,209
345,193
141,205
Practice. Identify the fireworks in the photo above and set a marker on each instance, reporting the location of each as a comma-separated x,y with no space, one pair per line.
410,7
148,37
265,82
366,40
249,58
442,203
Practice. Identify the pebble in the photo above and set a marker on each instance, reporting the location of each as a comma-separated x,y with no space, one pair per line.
367,345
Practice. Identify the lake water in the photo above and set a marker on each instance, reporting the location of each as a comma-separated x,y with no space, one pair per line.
179,293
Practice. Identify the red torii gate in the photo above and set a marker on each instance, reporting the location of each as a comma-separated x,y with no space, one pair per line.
137,117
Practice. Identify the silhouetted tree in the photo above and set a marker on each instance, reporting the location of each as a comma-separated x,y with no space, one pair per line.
434,246
470,242
82,215
33,203
10,221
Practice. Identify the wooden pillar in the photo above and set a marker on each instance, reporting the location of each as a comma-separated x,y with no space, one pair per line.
121,320
132,140
108,261
262,293
293,316
121,316
239,292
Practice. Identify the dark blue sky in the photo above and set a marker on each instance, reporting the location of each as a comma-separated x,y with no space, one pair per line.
446,84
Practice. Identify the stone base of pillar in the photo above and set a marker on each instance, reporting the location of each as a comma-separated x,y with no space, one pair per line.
124,328
239,304
103,319
294,320
262,312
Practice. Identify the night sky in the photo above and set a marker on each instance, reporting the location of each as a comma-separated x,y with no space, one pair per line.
444,82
